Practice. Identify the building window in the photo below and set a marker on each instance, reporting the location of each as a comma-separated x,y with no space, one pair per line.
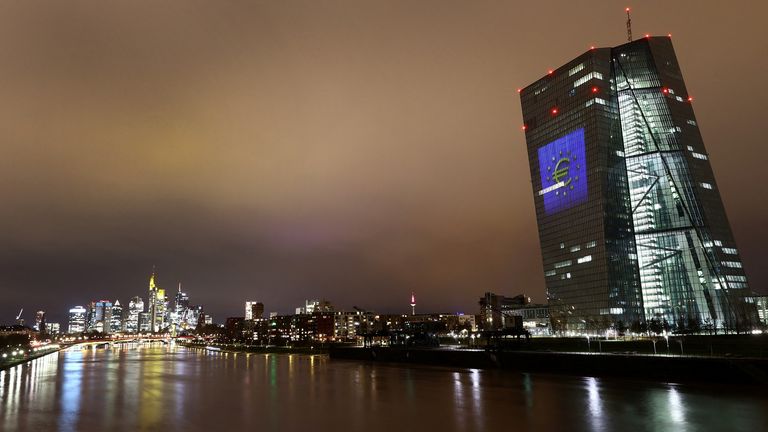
562,264
575,248
576,69
730,251
731,264
706,186
584,259
550,273
590,244
587,77
699,156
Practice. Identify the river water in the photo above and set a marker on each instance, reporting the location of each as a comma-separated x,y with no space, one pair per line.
156,388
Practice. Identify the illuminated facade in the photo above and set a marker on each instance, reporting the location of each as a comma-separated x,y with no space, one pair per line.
76,322
157,306
631,224
135,307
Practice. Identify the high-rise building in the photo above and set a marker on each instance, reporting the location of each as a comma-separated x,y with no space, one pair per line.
145,322
99,316
152,300
254,310
76,323
135,307
157,305
40,321
116,320
631,223
52,328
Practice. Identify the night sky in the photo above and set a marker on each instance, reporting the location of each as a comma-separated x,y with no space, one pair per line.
352,150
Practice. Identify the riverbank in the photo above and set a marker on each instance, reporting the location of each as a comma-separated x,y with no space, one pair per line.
254,349
666,368
5,365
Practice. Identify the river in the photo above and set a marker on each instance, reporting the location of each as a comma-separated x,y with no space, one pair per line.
158,388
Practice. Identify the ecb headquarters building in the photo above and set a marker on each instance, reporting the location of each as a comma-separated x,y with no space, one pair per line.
633,231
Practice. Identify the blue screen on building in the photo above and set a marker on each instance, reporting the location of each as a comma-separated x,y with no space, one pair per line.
563,171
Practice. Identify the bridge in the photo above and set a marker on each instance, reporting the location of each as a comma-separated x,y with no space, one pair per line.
125,340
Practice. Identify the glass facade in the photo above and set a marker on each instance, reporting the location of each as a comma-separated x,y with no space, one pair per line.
632,228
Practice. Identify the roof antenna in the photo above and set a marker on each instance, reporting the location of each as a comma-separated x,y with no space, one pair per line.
629,27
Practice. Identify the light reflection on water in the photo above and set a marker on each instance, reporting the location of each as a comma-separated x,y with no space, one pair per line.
159,388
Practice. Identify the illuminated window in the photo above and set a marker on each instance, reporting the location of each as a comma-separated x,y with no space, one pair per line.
584,259
562,264
731,264
575,248
691,122
590,244
730,251
706,186
550,273
587,77
699,156
576,69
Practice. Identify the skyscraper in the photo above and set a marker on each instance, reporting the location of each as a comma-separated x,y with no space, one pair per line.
99,316
76,322
135,307
254,310
631,224
116,320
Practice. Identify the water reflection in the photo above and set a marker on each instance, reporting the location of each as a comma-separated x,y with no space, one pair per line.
168,388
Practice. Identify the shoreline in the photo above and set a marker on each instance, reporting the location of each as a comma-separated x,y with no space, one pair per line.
664,368
13,364
253,349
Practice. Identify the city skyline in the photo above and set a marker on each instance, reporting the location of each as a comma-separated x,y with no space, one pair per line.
235,170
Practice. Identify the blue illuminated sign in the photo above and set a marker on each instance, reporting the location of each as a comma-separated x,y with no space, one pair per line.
563,171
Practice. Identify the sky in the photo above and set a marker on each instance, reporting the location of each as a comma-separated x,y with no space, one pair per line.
349,150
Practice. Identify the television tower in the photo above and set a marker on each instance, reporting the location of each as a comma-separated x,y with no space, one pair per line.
413,304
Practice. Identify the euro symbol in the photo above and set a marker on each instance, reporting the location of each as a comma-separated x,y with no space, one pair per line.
561,171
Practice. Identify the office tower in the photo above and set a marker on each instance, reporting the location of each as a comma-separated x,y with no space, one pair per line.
135,307
254,310
53,328
631,223
40,321
152,300
116,320
178,315
145,322
99,316
76,322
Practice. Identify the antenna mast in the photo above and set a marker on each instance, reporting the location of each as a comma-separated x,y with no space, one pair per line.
629,27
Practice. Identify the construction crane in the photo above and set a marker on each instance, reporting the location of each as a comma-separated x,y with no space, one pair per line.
20,321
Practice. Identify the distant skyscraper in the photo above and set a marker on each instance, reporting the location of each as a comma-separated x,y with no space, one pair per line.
53,328
40,321
99,316
180,310
631,223
76,322
116,320
145,322
158,305
152,300
135,307
253,310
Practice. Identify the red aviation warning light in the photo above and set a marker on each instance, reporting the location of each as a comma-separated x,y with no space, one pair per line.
554,111
595,89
